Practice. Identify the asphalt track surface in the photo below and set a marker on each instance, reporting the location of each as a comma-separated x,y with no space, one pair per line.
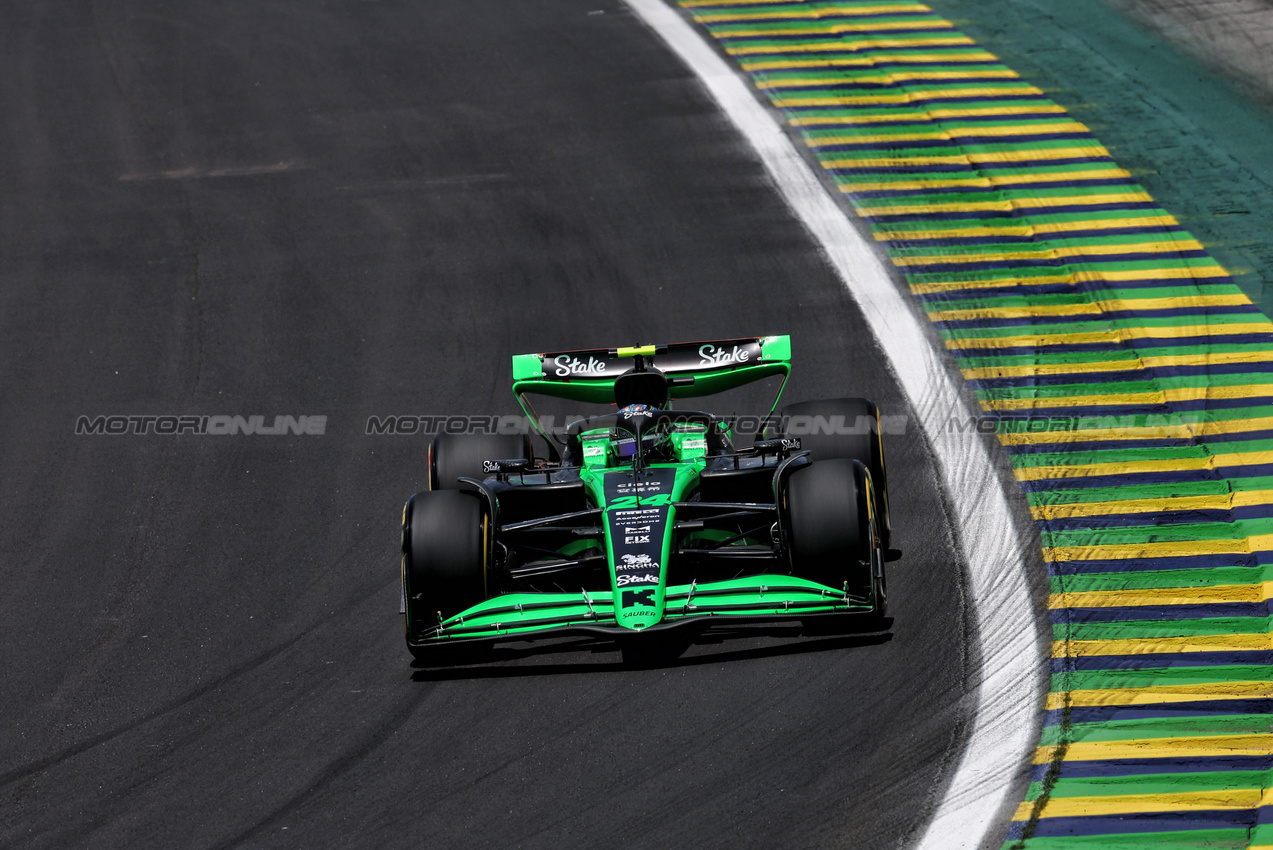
363,208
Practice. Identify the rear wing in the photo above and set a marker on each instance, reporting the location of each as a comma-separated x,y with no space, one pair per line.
715,366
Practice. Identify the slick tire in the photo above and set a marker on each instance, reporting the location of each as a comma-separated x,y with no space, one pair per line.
832,529
443,557
816,423
454,456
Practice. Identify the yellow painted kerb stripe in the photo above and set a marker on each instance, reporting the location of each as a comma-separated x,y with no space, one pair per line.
1127,467
1143,432
910,97
1028,370
959,132
938,230
1160,596
922,113
1163,396
726,31
1126,804
1215,502
985,182
1096,309
1123,551
804,13
1159,694
1125,334
1196,747
883,78
1055,253
1151,646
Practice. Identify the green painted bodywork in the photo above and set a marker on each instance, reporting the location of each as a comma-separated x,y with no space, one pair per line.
757,596
686,477
526,366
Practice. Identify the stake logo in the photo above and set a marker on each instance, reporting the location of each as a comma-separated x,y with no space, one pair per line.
567,366
710,355
647,578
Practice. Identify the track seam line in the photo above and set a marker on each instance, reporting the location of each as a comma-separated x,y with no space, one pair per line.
1010,685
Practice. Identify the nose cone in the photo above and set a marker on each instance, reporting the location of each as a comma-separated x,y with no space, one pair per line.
636,543
639,609
638,525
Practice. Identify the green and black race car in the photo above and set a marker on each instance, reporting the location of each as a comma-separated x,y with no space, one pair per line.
648,517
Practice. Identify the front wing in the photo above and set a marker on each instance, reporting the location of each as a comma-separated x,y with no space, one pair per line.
526,616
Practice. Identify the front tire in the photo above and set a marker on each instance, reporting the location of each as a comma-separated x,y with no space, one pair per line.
832,534
444,558
844,428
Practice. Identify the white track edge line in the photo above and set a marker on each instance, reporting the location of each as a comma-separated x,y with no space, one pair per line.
1010,683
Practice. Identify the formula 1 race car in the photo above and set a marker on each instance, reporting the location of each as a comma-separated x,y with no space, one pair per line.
648,517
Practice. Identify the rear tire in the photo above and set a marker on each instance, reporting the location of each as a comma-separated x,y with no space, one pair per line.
862,418
444,560
454,456
832,529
